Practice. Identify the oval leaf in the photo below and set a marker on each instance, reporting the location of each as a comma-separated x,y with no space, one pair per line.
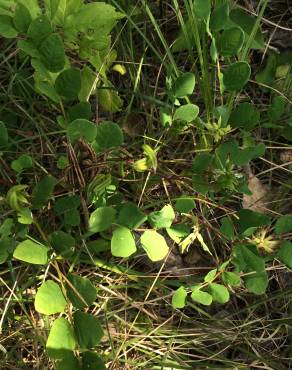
179,298
187,112
109,135
219,293
162,218
155,245
230,42
68,83
201,297
31,252
52,53
236,75
184,85
81,129
101,219
123,243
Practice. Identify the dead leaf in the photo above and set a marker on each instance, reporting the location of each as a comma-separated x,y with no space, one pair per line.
261,195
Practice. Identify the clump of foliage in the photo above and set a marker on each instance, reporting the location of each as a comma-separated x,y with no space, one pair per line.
99,201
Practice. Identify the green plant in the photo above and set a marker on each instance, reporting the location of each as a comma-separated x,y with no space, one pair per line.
102,200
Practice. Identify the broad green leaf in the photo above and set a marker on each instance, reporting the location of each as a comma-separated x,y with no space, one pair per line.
82,129
86,291
23,162
285,254
131,216
257,283
62,243
22,18
178,232
283,224
277,108
184,204
154,245
52,53
211,275
68,207
24,216
98,17
247,259
91,361
81,110
3,134
109,135
109,99
202,162
230,278
68,362
219,16
43,191
241,157
122,243
87,329
39,29
61,339
236,75
202,8
201,297
49,299
163,218
179,298
245,115
247,22
219,293
31,252
66,204
7,29
249,219
102,219
227,228
187,112
184,85
230,42
68,83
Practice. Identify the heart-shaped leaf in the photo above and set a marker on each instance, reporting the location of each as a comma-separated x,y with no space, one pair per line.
61,339
87,329
49,298
83,294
